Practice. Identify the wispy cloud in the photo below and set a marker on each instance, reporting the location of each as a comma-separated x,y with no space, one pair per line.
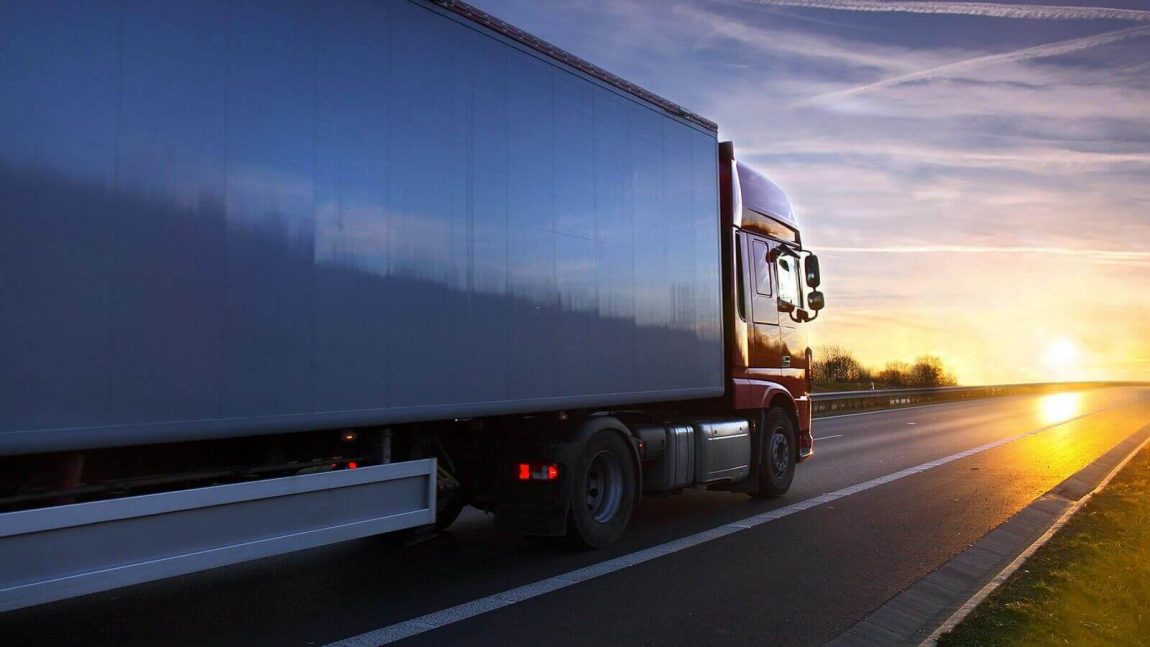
988,9
1018,158
706,27
1085,254
978,62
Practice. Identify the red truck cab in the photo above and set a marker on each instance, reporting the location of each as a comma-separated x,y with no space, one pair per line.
771,291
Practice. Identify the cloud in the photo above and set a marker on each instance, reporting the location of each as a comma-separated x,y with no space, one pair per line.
703,27
1033,159
1104,255
987,9
978,62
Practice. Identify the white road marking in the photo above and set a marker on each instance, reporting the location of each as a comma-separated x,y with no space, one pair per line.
829,437
480,606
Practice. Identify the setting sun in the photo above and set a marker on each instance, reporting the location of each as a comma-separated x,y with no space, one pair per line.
1060,359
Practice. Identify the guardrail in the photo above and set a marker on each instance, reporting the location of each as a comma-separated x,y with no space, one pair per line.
825,403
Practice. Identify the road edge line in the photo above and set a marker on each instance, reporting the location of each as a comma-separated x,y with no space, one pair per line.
999,579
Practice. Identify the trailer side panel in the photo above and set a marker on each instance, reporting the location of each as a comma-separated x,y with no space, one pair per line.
239,218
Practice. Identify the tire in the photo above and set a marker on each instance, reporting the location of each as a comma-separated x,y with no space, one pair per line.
604,491
777,454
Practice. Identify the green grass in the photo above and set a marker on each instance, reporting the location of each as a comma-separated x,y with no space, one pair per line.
1089,585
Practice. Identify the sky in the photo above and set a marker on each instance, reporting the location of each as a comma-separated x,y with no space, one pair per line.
975,176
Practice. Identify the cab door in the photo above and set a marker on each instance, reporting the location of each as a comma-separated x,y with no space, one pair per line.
794,352
765,340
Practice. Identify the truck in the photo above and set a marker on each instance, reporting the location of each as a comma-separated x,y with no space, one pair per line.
278,275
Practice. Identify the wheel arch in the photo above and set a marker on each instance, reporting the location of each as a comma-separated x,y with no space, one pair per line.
752,394
759,396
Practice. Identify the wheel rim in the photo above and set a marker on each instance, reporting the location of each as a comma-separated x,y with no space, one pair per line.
780,452
604,486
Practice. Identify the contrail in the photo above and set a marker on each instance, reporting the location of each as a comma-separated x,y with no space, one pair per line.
989,9
1101,254
1039,51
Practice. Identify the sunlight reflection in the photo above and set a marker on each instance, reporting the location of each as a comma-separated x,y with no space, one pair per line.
1060,407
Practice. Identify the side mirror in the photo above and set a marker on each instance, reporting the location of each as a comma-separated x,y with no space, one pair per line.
811,263
785,306
815,301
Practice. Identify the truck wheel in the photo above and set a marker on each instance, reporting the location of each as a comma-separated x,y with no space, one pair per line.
777,454
604,491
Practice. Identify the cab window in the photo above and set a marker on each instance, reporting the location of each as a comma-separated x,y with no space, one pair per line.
759,252
788,279
739,290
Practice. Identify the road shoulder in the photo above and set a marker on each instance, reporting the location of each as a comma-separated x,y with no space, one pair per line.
938,601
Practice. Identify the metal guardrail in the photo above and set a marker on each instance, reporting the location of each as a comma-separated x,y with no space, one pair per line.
824,403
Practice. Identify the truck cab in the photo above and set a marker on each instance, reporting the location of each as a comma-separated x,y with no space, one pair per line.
771,289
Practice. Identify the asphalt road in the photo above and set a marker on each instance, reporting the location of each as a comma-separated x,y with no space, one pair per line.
800,579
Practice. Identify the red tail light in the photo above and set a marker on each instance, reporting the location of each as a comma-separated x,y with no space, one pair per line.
538,472
352,465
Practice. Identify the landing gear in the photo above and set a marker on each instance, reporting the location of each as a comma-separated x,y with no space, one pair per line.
450,499
450,495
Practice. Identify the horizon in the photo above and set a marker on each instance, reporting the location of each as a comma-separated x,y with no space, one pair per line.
975,176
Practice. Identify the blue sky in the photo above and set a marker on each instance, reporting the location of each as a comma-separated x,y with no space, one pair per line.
978,185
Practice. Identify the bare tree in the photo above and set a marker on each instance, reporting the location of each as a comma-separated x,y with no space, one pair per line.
928,370
836,364
895,375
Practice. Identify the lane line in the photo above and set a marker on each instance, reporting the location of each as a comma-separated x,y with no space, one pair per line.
829,437
480,606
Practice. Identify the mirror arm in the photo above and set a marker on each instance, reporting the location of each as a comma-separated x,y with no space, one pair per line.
803,315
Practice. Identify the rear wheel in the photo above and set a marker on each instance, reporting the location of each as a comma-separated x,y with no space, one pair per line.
777,453
604,491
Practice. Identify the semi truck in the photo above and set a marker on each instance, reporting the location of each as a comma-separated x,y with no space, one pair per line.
280,274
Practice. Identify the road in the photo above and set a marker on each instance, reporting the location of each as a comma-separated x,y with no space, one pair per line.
799,579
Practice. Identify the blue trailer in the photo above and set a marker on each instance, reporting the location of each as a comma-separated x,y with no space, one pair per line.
383,253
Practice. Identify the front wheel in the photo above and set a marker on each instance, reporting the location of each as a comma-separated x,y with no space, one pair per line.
777,453
604,491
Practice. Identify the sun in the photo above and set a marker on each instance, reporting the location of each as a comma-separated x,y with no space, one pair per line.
1060,359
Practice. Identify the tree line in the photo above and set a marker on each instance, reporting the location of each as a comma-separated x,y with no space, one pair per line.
836,365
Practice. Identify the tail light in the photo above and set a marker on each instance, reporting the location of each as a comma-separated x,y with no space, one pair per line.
538,472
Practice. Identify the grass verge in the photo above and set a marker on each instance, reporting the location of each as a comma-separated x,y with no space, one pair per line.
1088,585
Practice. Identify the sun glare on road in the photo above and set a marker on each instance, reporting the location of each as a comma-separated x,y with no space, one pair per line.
1060,407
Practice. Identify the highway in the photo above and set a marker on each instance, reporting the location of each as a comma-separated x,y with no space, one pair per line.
802,578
